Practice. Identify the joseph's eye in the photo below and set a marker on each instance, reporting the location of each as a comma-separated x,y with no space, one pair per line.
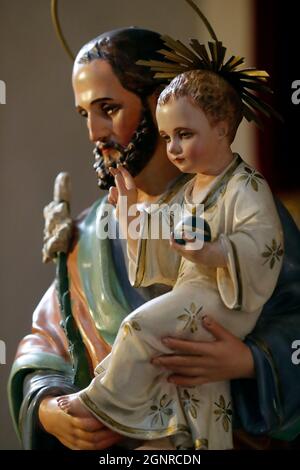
83,113
110,109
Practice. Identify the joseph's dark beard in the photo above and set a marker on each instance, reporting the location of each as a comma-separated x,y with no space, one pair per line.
134,157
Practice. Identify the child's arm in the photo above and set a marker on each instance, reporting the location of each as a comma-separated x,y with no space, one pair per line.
125,198
150,258
253,241
248,255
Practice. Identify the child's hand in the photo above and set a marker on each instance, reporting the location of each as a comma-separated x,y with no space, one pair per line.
211,254
113,195
125,188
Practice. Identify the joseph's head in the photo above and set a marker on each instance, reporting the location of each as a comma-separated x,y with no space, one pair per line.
118,98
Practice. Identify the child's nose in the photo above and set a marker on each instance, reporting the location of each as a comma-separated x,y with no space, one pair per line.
174,148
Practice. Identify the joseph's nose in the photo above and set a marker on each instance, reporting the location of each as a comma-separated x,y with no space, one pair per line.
99,129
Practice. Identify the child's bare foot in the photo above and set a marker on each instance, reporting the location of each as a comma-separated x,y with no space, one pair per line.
72,405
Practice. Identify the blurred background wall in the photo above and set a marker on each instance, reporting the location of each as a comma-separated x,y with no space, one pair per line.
40,133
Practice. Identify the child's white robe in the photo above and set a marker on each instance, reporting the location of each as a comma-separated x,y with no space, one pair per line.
131,395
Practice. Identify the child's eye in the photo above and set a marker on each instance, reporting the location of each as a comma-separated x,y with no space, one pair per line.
185,135
166,138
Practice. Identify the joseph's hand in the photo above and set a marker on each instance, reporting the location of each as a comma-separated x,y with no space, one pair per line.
75,433
201,362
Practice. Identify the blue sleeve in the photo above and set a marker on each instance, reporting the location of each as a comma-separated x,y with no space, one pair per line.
270,403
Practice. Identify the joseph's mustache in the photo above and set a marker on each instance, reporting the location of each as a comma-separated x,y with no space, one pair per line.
107,161
108,145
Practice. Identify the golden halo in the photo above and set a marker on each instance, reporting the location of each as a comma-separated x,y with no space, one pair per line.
65,45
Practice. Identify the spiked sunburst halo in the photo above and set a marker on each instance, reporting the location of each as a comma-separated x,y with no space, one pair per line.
178,58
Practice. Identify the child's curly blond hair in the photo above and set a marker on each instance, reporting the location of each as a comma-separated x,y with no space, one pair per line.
213,94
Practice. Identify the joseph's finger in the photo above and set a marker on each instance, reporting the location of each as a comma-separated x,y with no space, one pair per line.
87,424
186,371
217,330
97,436
201,348
179,361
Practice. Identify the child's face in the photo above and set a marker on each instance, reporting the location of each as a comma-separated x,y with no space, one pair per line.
192,143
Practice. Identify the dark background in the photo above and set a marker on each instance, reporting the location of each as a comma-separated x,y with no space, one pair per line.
277,49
